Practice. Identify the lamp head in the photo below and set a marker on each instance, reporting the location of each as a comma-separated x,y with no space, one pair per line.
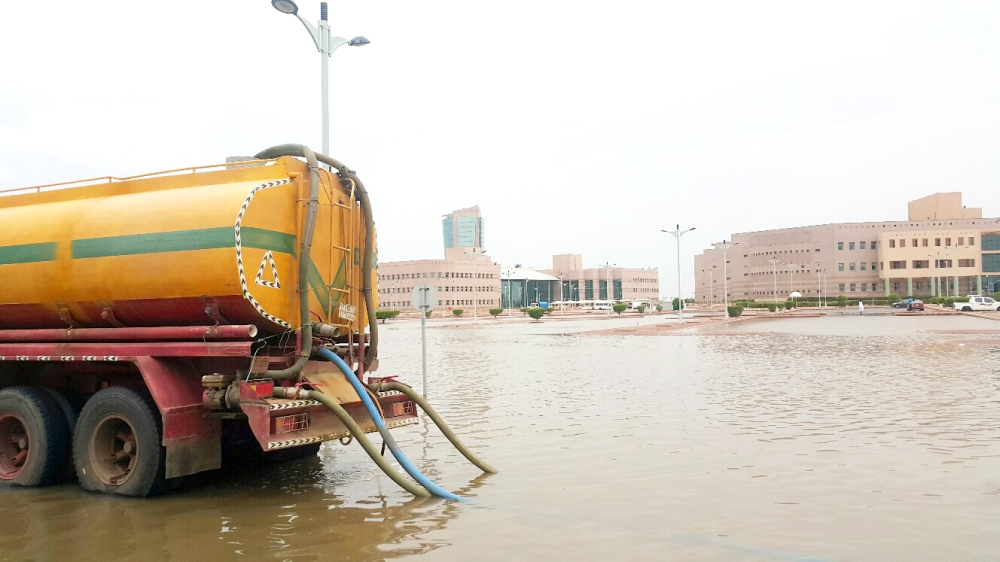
285,6
359,41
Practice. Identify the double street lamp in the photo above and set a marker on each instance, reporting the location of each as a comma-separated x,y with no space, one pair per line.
326,45
677,233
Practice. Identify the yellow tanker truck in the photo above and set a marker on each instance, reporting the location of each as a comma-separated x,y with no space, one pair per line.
147,322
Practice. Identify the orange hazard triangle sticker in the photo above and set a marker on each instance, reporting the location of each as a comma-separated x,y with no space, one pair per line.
268,259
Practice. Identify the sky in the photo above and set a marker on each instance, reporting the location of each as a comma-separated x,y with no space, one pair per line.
577,127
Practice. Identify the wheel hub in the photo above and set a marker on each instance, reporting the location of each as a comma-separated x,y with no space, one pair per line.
13,446
113,450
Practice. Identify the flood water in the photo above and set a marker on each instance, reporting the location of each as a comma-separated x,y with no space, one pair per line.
840,438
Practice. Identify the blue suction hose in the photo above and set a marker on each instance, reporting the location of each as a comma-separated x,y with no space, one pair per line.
383,430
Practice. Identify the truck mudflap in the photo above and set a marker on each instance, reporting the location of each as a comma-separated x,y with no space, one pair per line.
281,423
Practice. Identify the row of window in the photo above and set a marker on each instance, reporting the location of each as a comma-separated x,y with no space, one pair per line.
435,275
864,266
923,242
862,245
926,264
441,302
394,290
854,287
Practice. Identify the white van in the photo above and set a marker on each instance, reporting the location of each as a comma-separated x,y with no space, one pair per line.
602,305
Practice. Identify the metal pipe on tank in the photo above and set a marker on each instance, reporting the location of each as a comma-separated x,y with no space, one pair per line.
159,333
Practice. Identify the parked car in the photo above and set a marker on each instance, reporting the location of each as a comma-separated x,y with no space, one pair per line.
901,304
915,305
977,302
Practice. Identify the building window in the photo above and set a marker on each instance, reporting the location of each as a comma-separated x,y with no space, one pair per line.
892,243
874,267
852,287
895,286
961,241
937,241
864,287
862,246
873,245
924,243
850,245
840,245
852,266
840,267
864,265
875,287
966,263
897,265
972,240
902,242
918,286
991,262
914,242
947,241
841,288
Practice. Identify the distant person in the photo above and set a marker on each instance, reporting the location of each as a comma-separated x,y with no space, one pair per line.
861,308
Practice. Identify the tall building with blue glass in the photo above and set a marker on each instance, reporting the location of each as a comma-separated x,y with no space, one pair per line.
463,229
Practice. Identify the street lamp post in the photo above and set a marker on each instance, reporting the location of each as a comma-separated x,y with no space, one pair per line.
791,268
819,285
326,45
677,233
725,275
774,266
610,286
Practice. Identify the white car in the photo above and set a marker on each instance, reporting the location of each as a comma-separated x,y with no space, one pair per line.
977,302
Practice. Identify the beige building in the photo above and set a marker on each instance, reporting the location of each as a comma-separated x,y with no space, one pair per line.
579,284
469,283
943,248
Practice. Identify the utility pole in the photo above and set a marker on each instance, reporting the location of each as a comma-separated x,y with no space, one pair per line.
677,233
725,274
774,265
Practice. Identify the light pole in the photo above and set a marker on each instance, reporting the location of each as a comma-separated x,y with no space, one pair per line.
819,285
725,275
562,295
611,290
677,233
509,273
774,266
326,45
791,268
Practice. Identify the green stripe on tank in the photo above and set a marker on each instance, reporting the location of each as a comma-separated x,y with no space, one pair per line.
321,290
182,241
28,253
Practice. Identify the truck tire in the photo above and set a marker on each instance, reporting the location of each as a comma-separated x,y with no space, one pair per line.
117,445
33,437
966,309
69,404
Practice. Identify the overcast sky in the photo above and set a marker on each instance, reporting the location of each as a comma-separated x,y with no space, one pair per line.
578,127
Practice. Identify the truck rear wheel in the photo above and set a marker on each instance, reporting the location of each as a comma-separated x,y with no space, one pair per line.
117,445
69,404
33,437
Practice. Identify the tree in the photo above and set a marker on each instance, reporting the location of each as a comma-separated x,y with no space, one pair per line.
677,303
734,311
619,308
536,313
384,315
496,312
659,308
641,308
458,311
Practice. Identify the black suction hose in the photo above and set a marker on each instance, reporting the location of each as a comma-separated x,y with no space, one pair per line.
305,248
369,255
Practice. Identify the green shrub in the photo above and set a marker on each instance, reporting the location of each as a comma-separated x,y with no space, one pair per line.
524,310
496,312
772,307
996,296
641,308
548,310
893,297
619,308
458,311
659,307
788,305
676,303
734,311
535,312
384,315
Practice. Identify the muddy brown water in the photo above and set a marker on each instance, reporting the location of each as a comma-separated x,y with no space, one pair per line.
841,438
